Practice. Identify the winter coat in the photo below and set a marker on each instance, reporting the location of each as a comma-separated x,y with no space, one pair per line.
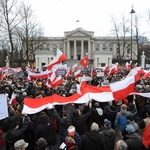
64,123
79,121
109,136
121,121
14,135
92,141
97,116
134,142
44,129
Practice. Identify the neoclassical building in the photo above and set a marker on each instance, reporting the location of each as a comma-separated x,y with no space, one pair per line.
77,44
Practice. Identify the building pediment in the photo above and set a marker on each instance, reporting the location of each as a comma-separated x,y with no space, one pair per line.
79,32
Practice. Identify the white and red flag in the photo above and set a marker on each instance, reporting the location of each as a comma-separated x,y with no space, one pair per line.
84,62
77,73
106,69
57,81
60,57
146,75
44,74
13,99
28,66
128,66
113,69
68,73
92,72
74,67
17,69
135,65
123,88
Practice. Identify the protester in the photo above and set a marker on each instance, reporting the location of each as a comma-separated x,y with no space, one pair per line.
108,134
44,130
75,135
41,144
130,121
20,145
93,140
134,141
16,132
121,121
121,145
79,120
97,114
69,144
63,122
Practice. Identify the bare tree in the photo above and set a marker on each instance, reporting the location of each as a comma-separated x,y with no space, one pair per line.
29,33
9,17
120,30
137,37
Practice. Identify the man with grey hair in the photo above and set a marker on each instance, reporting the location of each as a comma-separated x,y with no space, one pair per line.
121,145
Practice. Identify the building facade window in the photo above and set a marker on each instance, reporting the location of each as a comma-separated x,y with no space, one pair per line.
104,47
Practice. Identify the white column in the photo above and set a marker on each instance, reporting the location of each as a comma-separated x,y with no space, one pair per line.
100,47
75,50
37,63
89,49
58,46
82,55
68,49
93,46
64,47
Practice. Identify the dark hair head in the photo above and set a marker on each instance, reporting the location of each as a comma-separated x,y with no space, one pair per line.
11,112
129,117
96,104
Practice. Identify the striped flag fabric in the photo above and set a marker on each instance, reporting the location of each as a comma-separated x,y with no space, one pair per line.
60,57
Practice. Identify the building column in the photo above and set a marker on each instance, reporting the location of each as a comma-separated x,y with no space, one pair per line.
82,52
37,62
68,49
93,47
75,50
89,49
64,47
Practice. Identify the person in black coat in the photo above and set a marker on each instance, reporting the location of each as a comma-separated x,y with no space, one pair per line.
93,140
134,141
79,120
63,122
109,134
45,130
97,114
15,133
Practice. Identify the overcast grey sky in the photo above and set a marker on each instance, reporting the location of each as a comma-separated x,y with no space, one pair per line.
57,16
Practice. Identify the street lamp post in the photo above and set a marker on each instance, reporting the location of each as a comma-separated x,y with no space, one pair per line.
132,12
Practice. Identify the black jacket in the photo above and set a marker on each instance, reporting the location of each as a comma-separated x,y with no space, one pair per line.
92,141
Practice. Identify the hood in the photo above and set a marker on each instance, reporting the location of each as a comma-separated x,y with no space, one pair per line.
100,111
108,132
123,112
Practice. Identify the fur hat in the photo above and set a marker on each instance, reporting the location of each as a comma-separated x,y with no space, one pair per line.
94,126
20,144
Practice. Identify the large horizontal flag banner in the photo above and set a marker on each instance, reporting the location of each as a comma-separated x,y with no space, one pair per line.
44,74
100,94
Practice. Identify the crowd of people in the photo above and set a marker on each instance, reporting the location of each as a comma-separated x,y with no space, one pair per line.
88,126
